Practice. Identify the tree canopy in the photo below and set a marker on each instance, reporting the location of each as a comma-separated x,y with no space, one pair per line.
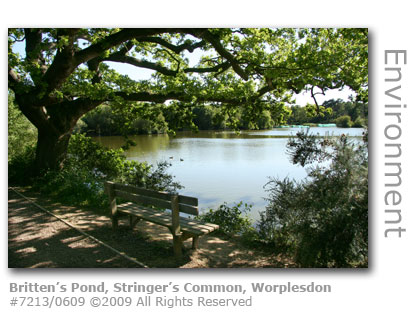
64,72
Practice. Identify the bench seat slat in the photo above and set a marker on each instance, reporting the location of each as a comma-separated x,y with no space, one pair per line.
188,209
140,208
144,192
165,219
144,199
194,202
191,201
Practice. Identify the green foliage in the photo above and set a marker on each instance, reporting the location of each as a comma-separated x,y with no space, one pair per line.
114,119
344,122
106,120
89,165
208,118
298,115
329,112
249,74
232,220
73,185
21,166
307,148
265,120
354,109
22,135
360,123
322,220
112,165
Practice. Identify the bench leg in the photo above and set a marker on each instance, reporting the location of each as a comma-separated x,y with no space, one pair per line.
114,220
133,221
177,245
195,242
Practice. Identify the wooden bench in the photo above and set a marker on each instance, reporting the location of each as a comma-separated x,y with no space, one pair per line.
140,208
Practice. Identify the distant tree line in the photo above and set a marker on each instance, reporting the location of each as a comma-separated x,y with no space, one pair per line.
343,113
107,120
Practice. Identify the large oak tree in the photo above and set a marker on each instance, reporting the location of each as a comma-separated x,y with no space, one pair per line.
64,73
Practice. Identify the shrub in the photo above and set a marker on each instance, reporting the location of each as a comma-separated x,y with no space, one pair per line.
322,220
344,122
232,220
73,185
359,123
108,120
80,127
22,135
89,165
21,165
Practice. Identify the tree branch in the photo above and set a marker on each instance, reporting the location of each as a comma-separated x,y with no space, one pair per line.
217,68
33,40
33,51
116,57
152,97
180,96
187,45
315,100
66,60
122,58
13,78
112,41
215,42
69,111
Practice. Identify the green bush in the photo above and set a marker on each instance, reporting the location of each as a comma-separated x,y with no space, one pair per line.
322,220
73,185
344,122
80,127
359,123
22,135
232,220
110,120
89,165
21,166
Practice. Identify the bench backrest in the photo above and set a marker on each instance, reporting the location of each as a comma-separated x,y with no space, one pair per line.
158,199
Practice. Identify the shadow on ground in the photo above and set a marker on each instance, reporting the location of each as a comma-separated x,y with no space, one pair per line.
39,240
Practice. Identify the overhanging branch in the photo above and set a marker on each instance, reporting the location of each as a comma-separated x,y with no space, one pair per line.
183,97
215,42
67,60
315,100
13,78
187,45
140,63
217,68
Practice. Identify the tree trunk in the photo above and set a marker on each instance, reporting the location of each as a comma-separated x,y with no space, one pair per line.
51,150
54,124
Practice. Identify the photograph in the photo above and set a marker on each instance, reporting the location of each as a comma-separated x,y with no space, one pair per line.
188,147
205,160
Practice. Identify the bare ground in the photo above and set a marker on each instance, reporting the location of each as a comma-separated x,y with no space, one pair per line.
39,240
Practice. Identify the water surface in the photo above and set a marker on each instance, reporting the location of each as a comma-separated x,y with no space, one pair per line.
219,167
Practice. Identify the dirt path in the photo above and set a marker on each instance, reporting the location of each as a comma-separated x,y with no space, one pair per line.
39,240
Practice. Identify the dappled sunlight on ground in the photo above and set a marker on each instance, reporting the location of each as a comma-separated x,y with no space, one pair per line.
39,240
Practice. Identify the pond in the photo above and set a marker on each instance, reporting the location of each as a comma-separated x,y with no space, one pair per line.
218,167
